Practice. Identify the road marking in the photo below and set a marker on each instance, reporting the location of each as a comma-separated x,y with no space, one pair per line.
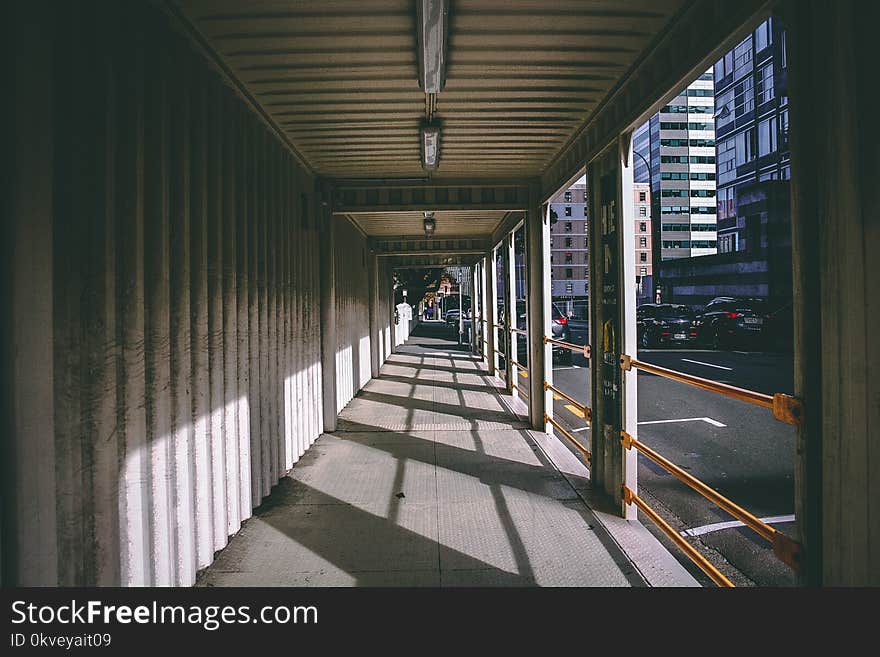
576,411
586,428
568,367
717,526
708,420
720,367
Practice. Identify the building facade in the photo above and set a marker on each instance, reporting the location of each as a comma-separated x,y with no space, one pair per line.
568,244
644,241
751,106
674,152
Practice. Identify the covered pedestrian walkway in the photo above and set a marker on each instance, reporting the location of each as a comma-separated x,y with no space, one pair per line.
432,478
205,206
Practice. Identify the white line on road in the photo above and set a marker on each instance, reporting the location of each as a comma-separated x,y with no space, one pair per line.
568,367
708,420
720,367
717,526
586,428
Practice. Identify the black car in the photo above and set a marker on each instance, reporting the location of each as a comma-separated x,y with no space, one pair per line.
659,324
728,322
559,328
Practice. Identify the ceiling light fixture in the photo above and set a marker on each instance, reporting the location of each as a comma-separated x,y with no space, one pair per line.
430,146
430,224
432,19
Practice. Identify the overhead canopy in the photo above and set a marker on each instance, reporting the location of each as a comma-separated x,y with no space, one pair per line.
340,81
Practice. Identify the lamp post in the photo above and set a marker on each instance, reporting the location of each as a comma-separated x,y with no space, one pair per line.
655,231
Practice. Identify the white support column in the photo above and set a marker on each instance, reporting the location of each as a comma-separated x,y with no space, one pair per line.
612,280
489,305
328,316
540,354
474,322
375,336
627,299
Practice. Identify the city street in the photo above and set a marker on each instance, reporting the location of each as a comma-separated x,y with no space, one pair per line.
736,448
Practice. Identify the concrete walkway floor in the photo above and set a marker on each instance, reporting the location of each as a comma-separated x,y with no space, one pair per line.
432,479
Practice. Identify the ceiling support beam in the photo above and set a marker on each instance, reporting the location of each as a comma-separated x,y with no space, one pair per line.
353,197
415,246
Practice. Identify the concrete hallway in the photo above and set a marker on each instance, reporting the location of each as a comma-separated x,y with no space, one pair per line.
430,480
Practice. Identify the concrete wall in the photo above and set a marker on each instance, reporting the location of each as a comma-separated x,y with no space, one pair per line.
164,338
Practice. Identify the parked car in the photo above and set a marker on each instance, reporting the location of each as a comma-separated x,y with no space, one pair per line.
661,324
779,328
728,322
559,327
451,316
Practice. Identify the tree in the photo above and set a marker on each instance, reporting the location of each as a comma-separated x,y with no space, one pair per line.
416,282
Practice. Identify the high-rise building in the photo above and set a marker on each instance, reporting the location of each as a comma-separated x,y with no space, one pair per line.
751,108
569,245
569,250
674,151
644,270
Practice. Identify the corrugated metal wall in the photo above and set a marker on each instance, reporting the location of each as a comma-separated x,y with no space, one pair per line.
185,335
352,312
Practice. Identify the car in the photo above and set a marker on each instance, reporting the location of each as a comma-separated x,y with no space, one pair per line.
451,316
779,328
559,328
659,324
729,322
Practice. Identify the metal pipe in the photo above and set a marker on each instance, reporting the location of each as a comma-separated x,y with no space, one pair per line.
687,548
583,409
583,450
567,345
763,529
742,394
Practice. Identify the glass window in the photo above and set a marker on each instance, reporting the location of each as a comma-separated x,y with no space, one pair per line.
724,109
763,36
742,58
727,160
782,48
765,84
745,147
767,136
